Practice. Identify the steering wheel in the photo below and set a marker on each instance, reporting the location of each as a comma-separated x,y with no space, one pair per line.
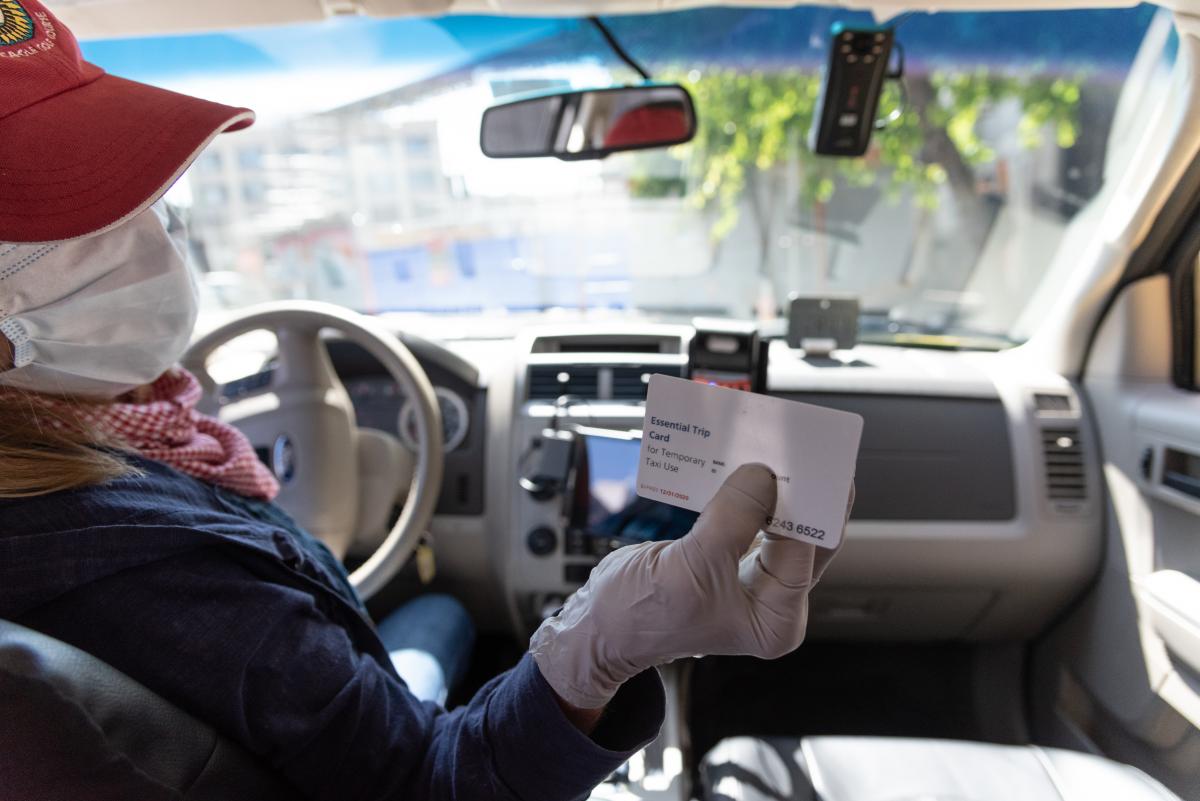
305,420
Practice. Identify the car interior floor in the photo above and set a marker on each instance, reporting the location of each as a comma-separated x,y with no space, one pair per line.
493,654
937,690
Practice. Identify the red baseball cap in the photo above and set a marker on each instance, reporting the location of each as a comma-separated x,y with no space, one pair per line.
82,151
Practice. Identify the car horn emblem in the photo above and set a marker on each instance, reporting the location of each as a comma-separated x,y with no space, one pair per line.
283,459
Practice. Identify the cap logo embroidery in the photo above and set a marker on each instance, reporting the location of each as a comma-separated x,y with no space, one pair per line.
16,26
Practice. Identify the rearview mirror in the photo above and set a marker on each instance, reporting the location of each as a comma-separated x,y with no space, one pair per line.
589,124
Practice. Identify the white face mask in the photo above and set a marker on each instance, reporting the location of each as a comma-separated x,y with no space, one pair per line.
99,316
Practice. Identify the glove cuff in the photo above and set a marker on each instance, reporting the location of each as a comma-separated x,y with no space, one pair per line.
569,660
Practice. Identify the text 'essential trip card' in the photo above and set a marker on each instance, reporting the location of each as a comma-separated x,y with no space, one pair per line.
695,435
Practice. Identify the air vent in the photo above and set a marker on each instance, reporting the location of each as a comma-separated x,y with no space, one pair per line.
1048,403
660,339
1064,464
547,381
630,383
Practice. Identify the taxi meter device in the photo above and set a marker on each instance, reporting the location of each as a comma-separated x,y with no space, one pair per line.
695,435
728,353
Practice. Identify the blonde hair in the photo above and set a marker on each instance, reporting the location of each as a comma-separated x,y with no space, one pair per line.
47,448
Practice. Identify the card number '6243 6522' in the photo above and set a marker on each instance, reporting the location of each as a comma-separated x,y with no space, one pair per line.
788,525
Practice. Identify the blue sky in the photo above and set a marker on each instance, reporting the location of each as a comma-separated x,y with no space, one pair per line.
297,69
746,36
337,43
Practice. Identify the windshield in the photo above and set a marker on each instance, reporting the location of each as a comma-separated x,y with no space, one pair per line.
363,183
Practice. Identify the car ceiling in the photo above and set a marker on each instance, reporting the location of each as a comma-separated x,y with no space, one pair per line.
97,19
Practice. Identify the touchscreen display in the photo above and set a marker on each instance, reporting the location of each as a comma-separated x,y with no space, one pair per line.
606,499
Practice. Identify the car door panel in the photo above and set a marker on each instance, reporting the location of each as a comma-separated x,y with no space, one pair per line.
1120,673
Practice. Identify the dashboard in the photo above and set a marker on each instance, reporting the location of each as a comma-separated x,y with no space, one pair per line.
978,512
379,404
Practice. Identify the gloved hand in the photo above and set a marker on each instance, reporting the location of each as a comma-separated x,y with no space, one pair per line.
717,590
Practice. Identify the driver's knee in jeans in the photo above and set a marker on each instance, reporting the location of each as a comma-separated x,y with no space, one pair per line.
430,640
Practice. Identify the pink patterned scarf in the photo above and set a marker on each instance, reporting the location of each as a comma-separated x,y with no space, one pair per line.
167,428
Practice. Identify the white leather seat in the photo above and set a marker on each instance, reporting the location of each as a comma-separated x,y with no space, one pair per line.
897,769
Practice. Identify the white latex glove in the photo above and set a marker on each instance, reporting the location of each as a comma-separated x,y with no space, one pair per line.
717,590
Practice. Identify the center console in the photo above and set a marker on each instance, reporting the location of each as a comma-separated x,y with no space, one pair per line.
588,388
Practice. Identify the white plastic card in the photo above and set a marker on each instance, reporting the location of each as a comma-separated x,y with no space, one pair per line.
695,435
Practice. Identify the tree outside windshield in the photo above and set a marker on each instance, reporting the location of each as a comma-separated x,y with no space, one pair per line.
363,183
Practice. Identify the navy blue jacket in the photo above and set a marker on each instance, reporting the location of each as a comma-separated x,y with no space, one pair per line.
223,607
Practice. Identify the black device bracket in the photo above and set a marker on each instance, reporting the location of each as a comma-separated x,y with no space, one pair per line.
851,87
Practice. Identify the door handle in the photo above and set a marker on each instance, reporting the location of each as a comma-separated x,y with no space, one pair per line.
1181,472
1173,600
